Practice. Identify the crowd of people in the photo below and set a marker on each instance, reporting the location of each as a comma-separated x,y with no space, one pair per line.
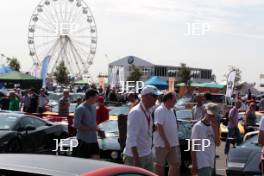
26,101
152,132
152,129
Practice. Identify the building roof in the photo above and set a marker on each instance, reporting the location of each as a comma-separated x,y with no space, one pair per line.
136,61
141,62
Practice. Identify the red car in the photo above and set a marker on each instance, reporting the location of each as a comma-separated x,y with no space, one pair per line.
53,116
44,165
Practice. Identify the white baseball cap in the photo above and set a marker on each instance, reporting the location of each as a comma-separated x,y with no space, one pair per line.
149,89
211,108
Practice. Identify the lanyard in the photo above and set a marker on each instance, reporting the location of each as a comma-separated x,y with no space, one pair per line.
147,116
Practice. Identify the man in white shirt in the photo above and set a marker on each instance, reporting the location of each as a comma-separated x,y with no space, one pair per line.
198,110
139,131
203,158
261,132
166,140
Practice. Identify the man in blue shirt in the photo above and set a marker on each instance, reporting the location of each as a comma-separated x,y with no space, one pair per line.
85,123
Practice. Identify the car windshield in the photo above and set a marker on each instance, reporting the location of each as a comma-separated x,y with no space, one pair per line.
258,117
73,96
184,114
115,111
54,96
183,101
109,126
7,121
251,142
185,129
216,98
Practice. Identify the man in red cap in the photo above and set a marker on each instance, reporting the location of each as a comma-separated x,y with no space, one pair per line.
102,113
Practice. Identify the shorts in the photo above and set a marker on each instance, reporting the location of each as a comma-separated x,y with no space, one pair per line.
173,157
145,161
86,150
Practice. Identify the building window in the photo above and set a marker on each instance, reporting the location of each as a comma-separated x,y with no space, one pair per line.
171,72
205,74
146,71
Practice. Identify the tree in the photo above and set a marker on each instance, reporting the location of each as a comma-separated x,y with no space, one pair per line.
13,63
135,73
185,75
238,74
61,74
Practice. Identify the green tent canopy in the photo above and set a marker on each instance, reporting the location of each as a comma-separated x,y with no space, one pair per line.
80,82
15,75
26,81
208,85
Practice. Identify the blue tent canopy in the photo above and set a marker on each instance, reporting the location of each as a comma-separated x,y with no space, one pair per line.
5,69
156,81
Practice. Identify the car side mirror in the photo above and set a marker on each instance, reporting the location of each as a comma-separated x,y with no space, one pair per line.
29,128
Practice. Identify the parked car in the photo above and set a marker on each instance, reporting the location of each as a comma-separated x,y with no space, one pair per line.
183,103
55,96
110,147
224,128
26,133
245,159
115,111
260,96
45,165
3,93
53,116
185,114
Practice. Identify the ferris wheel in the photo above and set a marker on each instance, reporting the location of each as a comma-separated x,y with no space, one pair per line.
66,31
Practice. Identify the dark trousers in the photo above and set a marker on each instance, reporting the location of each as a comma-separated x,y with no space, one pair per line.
86,150
232,133
41,109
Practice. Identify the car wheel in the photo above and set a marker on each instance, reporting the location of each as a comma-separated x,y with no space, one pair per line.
14,146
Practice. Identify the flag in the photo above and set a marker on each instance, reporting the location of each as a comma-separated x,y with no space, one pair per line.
44,69
230,83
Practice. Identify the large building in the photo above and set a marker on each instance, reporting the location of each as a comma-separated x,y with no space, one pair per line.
120,70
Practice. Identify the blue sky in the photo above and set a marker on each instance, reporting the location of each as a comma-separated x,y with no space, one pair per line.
154,30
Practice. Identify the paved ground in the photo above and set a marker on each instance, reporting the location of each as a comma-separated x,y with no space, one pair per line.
220,162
